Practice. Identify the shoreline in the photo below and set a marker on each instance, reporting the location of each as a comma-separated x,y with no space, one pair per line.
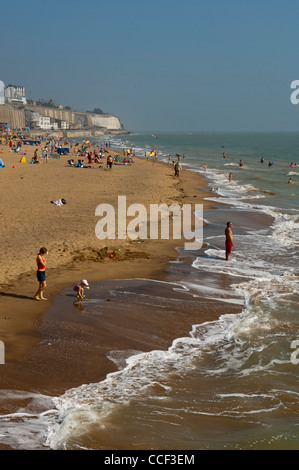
22,317
55,346
21,314
74,133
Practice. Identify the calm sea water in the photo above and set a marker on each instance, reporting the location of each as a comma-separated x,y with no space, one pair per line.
231,383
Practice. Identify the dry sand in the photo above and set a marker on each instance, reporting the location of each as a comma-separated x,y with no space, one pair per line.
29,221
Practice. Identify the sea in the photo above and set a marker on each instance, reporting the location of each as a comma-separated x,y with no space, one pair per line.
225,376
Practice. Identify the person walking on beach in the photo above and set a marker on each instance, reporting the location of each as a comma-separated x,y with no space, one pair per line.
177,168
109,162
41,273
228,240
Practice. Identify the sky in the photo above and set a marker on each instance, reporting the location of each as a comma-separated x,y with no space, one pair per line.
167,65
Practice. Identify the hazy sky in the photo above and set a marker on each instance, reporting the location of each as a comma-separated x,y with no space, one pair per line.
164,65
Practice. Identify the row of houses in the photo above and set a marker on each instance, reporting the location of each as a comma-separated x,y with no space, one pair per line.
18,112
37,120
15,95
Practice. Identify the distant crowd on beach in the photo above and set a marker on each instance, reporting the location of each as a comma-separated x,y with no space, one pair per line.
87,153
97,155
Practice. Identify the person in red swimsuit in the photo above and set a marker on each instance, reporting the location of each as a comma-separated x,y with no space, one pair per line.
229,240
41,273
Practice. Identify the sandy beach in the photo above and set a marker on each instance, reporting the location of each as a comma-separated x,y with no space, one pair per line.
162,332
29,221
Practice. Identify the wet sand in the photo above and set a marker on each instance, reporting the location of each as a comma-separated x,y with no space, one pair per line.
29,221
53,346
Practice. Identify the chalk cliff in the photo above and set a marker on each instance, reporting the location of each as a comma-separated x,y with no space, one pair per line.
105,120
17,117
78,119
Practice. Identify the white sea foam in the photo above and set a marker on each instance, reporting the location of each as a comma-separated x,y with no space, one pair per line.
27,427
235,337
265,277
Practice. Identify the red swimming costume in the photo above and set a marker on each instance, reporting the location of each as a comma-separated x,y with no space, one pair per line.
228,246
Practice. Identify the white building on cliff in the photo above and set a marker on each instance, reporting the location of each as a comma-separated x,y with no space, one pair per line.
15,94
2,98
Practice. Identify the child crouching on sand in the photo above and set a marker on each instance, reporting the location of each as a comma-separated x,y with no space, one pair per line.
79,288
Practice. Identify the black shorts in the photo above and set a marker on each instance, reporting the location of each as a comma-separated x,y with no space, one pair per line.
41,276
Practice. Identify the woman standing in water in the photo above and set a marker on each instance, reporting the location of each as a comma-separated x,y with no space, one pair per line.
229,240
41,273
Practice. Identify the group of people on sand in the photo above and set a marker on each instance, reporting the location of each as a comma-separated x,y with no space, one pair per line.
97,156
83,284
79,288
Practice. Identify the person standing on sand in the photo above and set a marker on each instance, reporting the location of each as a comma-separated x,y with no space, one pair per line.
41,273
109,162
228,240
177,168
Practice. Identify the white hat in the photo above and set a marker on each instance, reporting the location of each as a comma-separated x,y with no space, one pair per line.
85,282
